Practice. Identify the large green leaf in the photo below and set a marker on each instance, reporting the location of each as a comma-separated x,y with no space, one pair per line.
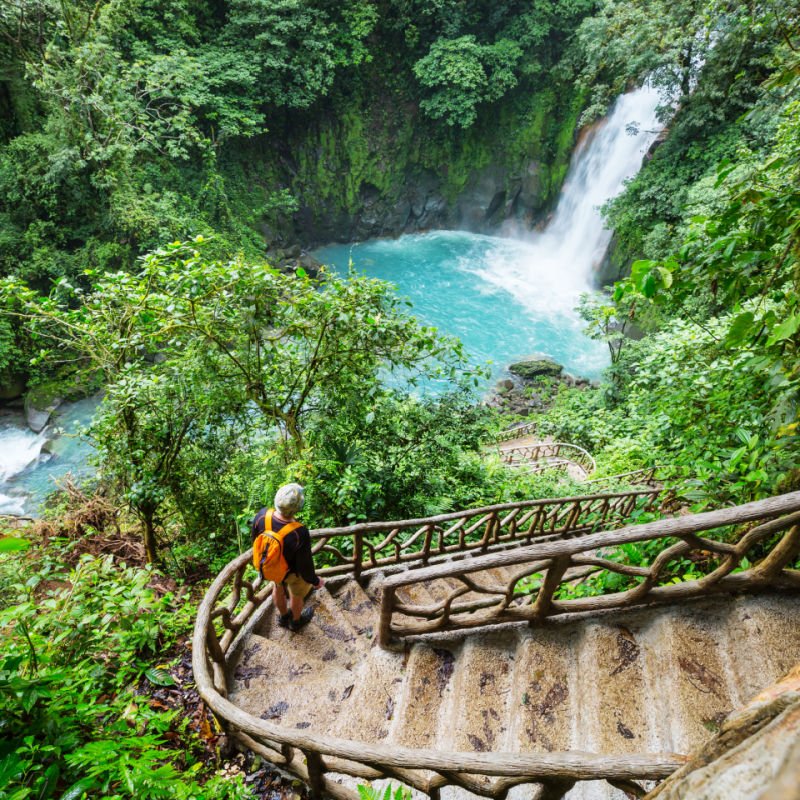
785,330
10,544
741,328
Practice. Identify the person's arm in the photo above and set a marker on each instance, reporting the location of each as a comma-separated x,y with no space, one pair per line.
304,561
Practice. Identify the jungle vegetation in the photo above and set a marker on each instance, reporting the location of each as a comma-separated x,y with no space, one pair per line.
133,256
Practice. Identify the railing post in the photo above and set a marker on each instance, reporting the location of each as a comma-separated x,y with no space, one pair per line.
784,553
385,621
358,555
426,544
552,579
315,774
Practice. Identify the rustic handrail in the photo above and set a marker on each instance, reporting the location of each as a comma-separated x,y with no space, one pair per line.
528,429
372,546
535,456
490,605
646,476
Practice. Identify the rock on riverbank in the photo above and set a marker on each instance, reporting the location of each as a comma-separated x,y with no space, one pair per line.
532,386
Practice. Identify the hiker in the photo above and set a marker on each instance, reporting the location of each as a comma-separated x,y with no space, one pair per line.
282,554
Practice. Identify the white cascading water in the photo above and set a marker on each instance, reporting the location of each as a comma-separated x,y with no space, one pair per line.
19,448
552,268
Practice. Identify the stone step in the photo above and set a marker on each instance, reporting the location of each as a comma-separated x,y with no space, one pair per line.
612,712
767,640
329,636
694,679
416,594
481,719
289,685
644,680
544,692
425,698
373,706
358,608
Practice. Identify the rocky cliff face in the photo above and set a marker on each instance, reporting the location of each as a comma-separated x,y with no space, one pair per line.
363,171
490,196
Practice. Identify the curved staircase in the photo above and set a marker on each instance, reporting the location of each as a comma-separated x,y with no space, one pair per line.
526,694
636,681
522,447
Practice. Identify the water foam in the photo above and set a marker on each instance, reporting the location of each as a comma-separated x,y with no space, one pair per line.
19,448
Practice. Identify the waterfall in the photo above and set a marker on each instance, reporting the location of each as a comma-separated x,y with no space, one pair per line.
19,448
553,267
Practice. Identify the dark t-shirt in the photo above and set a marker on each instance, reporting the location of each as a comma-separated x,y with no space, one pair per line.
296,546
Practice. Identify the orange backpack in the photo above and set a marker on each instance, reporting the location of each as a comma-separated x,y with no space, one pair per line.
268,556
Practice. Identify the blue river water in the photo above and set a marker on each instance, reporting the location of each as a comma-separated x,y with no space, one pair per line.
488,291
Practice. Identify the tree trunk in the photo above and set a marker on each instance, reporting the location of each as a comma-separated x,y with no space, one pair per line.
150,543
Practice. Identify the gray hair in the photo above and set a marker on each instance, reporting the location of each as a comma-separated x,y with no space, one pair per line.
289,499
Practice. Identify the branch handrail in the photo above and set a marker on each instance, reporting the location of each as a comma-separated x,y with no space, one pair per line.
539,451
528,429
488,527
646,476
554,559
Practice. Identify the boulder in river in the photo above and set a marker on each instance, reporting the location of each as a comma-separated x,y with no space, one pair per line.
535,368
38,415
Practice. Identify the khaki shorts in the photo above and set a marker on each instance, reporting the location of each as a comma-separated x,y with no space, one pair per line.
296,585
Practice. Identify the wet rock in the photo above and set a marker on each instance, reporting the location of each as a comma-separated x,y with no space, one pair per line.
529,197
483,198
536,367
38,415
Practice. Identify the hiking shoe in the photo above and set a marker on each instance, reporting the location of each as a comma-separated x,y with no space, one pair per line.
305,618
285,619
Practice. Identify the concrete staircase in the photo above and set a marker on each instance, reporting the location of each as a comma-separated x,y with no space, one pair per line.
648,680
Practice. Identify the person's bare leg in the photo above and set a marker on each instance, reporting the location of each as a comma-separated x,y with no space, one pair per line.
279,598
297,606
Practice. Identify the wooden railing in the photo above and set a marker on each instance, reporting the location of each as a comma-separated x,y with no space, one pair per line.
370,546
234,599
548,455
515,433
647,476
549,568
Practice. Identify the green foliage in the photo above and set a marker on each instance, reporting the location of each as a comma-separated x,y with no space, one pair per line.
225,379
391,792
297,46
462,74
75,641
686,400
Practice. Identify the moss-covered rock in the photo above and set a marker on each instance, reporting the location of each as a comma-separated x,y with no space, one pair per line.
12,385
535,368
368,167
